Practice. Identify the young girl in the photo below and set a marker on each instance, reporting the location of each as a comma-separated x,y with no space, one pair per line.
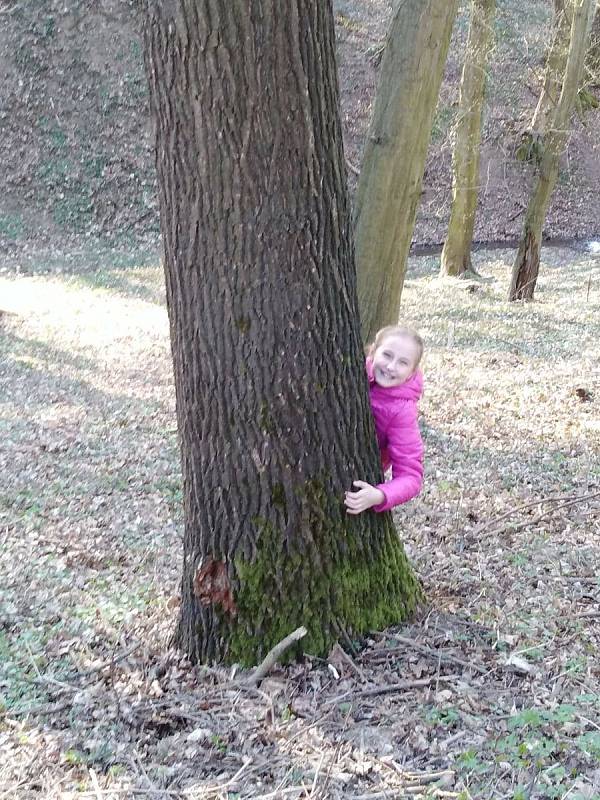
395,386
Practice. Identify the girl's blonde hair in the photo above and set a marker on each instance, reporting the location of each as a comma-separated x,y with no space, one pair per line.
396,330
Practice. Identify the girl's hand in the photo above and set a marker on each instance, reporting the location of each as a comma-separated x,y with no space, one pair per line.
366,497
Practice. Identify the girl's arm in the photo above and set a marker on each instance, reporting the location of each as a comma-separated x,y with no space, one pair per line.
405,450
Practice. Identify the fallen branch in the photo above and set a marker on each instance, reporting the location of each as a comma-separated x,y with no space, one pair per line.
569,498
392,687
437,654
41,710
343,656
273,655
417,777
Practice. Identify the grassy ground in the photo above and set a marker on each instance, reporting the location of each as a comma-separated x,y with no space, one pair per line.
501,692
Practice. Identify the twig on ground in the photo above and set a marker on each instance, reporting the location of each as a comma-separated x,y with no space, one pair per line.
342,630
392,687
343,655
133,790
306,729
516,214
138,767
49,681
42,710
571,500
279,792
323,790
219,788
417,777
111,663
273,655
95,784
438,654
316,778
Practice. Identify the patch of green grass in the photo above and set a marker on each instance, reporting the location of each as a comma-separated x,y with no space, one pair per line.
21,658
143,283
444,717
12,226
55,170
93,166
29,62
72,212
589,743
113,600
470,762
53,133
576,665
172,490
108,101
135,86
24,502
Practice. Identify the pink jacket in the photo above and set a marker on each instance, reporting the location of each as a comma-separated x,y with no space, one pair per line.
395,413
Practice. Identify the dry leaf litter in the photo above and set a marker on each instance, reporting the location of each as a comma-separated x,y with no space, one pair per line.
491,692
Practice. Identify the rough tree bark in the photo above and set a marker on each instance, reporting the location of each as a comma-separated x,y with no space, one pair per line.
556,61
389,186
271,395
456,255
527,263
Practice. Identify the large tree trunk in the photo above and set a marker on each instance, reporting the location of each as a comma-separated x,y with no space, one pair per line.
394,156
526,266
271,394
456,255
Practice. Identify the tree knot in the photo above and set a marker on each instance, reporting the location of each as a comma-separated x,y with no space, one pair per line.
212,587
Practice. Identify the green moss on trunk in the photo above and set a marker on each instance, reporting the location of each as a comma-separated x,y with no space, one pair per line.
329,580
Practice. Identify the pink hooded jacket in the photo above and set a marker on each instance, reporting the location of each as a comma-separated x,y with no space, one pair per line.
395,413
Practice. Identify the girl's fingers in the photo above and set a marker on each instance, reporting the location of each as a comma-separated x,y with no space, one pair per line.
354,502
362,484
353,511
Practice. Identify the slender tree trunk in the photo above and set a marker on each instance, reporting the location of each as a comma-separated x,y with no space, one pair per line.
592,61
272,400
456,255
394,157
527,263
556,61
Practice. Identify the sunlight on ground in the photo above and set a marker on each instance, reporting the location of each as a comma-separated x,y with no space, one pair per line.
90,557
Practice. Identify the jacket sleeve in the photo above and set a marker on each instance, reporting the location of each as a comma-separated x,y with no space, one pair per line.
405,450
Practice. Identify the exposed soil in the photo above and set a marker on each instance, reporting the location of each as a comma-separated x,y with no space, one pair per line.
76,144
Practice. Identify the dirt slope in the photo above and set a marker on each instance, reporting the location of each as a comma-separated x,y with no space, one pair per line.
76,145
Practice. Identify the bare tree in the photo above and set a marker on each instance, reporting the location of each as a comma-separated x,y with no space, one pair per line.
456,255
389,186
527,264
556,61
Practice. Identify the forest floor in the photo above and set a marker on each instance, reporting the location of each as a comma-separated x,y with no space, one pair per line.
493,691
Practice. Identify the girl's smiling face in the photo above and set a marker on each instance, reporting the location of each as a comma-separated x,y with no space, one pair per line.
394,361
